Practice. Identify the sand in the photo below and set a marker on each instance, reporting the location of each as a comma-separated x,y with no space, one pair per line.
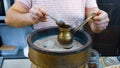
51,43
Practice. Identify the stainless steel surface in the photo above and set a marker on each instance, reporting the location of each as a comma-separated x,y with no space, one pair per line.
16,63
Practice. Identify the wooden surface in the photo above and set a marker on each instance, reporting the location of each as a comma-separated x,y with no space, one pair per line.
5,47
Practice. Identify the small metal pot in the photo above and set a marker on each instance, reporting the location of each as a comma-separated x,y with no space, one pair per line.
59,59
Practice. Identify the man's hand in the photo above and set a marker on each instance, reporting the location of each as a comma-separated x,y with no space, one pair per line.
100,21
38,14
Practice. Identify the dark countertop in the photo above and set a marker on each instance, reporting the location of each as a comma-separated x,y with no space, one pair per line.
19,55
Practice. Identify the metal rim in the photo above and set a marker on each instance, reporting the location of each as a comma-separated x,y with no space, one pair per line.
31,45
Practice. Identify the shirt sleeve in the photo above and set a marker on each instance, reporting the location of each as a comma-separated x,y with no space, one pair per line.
24,3
91,4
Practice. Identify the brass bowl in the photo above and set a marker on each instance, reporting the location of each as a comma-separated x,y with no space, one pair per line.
58,59
83,66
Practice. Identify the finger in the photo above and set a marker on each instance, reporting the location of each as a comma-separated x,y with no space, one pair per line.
100,15
101,26
104,26
95,12
38,17
37,11
43,19
43,11
101,21
34,16
39,20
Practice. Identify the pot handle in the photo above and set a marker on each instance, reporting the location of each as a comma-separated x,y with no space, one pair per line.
90,17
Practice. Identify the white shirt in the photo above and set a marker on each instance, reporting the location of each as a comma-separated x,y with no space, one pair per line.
66,10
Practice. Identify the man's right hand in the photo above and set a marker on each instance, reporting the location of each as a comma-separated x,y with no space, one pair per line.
38,14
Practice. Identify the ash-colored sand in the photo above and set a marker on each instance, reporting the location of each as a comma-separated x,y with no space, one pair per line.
51,43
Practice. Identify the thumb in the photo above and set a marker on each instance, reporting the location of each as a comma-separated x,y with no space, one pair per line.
97,13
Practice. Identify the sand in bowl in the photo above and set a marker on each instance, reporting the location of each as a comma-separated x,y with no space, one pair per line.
51,43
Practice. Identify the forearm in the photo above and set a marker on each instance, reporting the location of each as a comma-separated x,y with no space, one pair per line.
16,19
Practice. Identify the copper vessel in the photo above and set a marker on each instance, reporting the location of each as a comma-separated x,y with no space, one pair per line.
59,59
65,36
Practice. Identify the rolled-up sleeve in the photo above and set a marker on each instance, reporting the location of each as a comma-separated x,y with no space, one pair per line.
25,3
91,4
